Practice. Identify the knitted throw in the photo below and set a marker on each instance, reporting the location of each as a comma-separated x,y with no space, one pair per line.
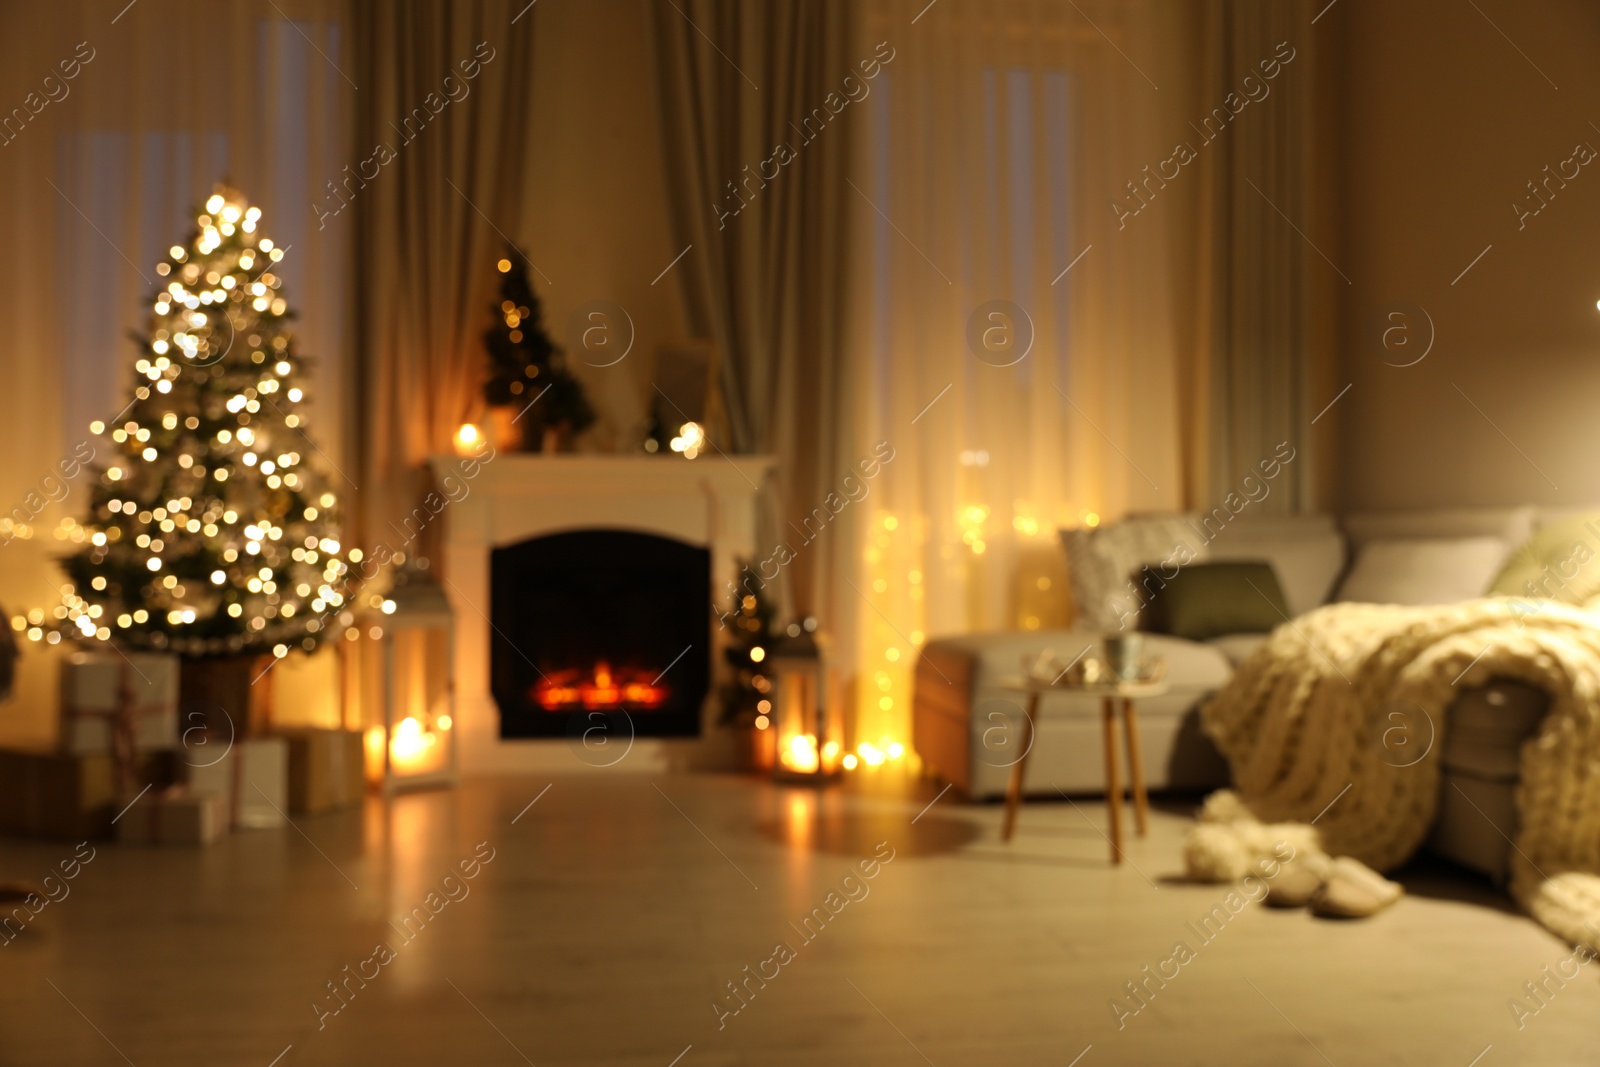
1305,717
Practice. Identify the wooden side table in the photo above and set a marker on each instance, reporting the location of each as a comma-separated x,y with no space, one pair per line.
1112,698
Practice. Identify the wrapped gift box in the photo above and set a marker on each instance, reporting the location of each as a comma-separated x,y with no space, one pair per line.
252,779
326,770
46,793
95,686
174,816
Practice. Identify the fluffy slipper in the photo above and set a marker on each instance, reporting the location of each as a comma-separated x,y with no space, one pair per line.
1566,902
1224,805
1229,843
1298,881
1353,891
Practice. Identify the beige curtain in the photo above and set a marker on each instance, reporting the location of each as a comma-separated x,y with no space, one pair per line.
997,166
441,121
104,172
1263,243
756,116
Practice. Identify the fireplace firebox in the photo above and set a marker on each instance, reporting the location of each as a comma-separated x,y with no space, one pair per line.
593,624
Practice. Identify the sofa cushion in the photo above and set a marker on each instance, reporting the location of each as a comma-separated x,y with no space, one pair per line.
1560,561
1307,555
1419,572
1211,598
1306,551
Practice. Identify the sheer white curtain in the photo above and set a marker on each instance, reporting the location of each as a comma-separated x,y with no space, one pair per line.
996,146
127,118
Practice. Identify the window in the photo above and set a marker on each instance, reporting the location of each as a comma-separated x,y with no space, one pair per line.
128,190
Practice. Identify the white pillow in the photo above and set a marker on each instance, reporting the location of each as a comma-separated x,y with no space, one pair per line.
1421,572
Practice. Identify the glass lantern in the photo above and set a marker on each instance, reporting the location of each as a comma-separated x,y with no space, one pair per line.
418,688
802,698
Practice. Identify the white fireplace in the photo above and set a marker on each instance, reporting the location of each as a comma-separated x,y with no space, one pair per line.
709,502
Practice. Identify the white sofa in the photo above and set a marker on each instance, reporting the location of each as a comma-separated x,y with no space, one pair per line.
960,725
965,726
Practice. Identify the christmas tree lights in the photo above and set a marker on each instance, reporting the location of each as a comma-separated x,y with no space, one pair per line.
211,529
747,692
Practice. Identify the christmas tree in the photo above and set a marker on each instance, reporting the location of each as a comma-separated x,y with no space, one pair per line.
212,530
747,693
524,364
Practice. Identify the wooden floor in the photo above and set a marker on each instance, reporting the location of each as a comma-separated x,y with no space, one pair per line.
616,909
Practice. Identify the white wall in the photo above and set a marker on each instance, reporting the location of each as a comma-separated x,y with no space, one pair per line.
1444,123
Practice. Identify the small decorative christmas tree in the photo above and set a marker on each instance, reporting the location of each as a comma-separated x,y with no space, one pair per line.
212,531
524,363
750,618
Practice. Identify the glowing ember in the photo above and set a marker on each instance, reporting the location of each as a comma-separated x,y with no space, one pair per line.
562,690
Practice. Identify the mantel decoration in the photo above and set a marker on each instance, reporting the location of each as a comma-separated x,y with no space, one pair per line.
212,531
535,403
685,397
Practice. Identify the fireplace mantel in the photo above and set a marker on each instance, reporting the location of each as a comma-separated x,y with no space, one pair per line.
709,502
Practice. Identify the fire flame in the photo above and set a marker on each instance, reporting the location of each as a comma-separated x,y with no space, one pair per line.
561,690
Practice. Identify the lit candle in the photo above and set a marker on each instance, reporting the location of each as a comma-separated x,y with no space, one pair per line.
467,439
799,753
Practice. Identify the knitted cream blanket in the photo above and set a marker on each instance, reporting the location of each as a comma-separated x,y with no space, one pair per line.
1305,717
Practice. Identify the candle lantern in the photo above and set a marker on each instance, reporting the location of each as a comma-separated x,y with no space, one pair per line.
418,682
802,699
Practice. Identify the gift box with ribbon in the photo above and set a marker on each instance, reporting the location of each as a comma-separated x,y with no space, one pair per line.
252,777
327,770
175,815
111,699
